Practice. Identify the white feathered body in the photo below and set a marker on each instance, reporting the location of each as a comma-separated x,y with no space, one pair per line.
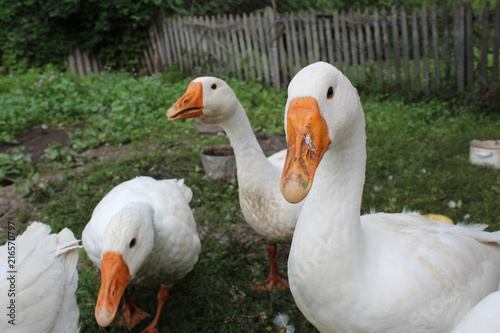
46,279
176,243
261,201
376,272
482,318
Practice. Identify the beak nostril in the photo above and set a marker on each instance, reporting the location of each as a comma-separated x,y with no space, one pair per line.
186,101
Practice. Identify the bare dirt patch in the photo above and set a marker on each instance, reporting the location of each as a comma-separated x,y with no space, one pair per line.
35,141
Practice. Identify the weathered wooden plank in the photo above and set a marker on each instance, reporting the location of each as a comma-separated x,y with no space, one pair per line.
469,46
425,49
183,60
361,45
338,41
270,18
71,62
295,45
345,44
255,45
386,44
329,41
233,43
406,48
459,45
435,45
263,47
322,46
211,61
369,47
244,55
483,54
378,46
447,42
174,42
248,45
496,46
165,42
315,36
308,41
289,33
354,44
80,67
415,47
227,53
282,56
396,44
86,63
186,32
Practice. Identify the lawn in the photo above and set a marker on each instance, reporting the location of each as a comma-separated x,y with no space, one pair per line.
417,160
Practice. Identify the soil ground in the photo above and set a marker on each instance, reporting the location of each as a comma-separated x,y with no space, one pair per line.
35,141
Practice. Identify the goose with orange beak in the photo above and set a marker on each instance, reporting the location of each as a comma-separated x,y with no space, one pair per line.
142,232
376,272
212,101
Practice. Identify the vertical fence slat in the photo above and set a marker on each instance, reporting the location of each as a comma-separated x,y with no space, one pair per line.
483,55
378,46
354,44
415,47
425,49
496,47
244,56
459,44
369,46
330,42
315,37
345,44
323,52
263,47
255,45
435,46
386,44
406,48
395,45
295,44
361,43
235,52
469,53
338,41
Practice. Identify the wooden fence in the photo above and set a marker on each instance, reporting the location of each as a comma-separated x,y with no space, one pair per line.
420,49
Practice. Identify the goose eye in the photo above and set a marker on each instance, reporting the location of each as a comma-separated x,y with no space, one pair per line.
214,86
329,94
132,243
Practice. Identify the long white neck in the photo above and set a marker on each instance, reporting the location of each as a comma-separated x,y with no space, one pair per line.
330,219
246,147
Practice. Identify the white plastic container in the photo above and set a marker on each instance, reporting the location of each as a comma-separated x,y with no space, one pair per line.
485,152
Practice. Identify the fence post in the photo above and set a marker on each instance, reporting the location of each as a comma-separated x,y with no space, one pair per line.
271,21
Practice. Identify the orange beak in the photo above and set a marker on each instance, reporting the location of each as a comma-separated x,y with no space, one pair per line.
307,142
115,276
190,105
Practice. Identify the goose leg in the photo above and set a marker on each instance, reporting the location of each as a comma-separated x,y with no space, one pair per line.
274,279
132,315
162,297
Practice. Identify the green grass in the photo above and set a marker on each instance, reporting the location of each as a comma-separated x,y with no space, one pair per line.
417,160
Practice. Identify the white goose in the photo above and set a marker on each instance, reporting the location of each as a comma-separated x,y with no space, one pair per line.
483,317
38,290
377,272
143,232
263,206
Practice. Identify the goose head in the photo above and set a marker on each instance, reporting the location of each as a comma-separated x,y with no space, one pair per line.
127,242
321,108
208,98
